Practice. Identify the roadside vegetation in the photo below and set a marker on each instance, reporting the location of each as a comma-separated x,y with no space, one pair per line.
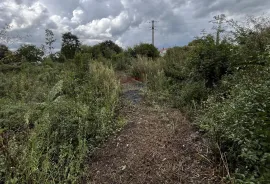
55,108
222,84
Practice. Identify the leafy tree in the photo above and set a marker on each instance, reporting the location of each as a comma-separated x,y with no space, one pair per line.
147,50
3,51
253,39
31,53
70,45
109,48
49,39
94,51
211,61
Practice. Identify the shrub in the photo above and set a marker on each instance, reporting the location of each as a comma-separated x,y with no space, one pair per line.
31,53
188,94
121,61
107,49
178,66
211,61
146,50
240,124
3,51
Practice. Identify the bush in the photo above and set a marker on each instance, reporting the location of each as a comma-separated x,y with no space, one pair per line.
240,124
178,66
3,51
188,94
145,50
30,53
107,49
58,57
121,61
211,61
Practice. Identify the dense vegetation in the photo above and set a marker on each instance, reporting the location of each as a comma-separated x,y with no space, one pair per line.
52,115
55,108
223,85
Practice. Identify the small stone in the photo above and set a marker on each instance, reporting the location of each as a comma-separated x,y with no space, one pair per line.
164,159
123,167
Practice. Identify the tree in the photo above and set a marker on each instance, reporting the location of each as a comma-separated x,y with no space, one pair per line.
5,38
219,20
31,53
70,45
3,51
147,50
49,39
252,38
210,61
109,49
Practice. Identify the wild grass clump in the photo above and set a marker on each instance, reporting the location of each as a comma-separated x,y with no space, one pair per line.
51,118
152,73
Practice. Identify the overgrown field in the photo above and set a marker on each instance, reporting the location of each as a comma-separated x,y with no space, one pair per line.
54,112
52,115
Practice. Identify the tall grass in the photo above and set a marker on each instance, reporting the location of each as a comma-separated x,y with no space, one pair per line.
152,73
51,117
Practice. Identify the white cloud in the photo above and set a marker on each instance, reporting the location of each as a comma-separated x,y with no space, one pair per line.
77,16
123,21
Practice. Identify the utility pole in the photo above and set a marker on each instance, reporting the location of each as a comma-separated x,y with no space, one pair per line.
153,28
153,32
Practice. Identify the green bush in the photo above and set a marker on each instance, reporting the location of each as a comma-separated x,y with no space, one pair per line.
240,124
178,66
122,61
3,51
188,94
30,53
145,50
107,49
210,61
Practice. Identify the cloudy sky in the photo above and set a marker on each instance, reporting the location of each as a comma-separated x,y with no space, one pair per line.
124,21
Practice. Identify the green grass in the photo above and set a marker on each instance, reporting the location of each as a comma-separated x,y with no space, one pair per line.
51,117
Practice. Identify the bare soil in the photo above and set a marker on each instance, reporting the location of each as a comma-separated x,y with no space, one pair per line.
157,145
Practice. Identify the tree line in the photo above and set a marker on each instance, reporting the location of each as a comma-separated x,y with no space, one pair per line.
70,47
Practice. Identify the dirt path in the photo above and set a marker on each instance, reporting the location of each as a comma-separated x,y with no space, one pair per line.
158,145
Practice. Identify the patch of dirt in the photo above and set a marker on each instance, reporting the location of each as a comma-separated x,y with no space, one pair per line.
158,145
